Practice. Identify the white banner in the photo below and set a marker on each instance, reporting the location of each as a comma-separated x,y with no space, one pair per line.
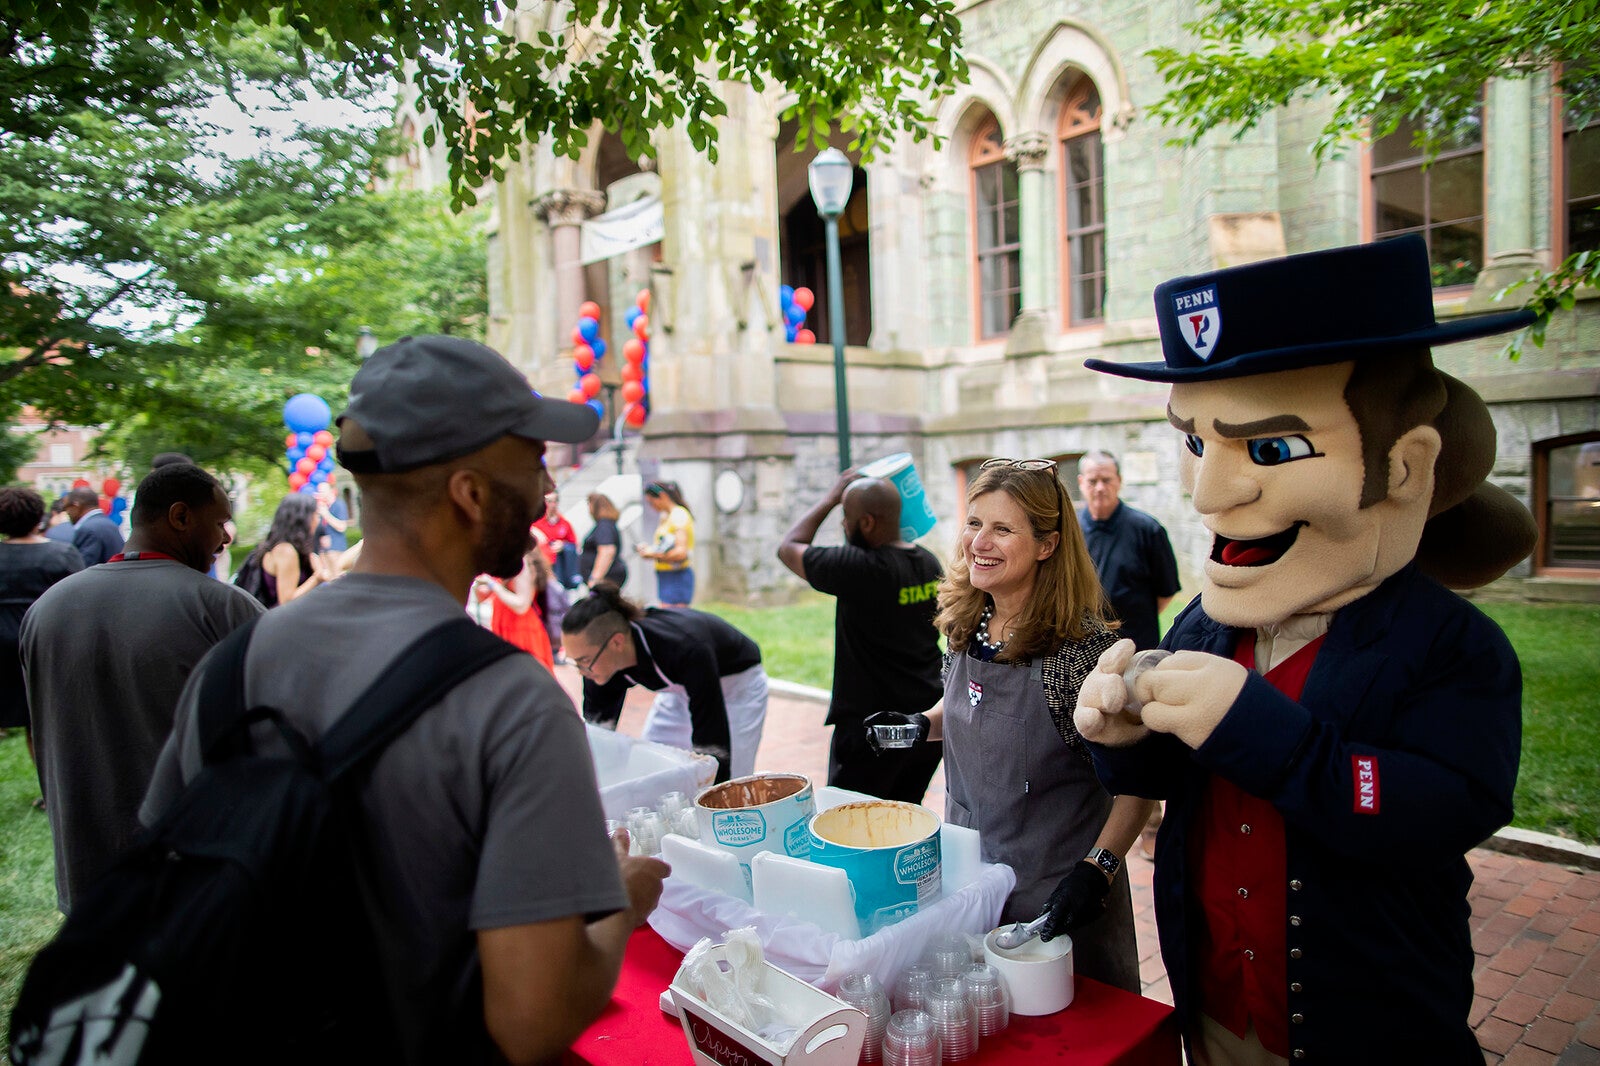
633,226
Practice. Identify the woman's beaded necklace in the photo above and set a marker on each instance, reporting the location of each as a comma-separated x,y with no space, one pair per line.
982,633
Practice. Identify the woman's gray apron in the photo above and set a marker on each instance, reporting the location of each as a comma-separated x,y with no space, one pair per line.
1035,803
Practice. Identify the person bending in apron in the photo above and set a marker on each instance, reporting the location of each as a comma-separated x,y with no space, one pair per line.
711,692
1024,621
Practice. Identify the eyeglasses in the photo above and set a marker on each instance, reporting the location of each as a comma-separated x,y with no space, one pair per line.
1020,464
585,667
1043,466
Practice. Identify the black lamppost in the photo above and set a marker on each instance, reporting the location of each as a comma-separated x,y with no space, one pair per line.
831,174
616,422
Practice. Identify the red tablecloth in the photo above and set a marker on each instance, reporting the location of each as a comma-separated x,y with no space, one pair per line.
1103,1025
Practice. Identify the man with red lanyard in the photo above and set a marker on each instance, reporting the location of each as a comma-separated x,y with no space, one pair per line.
106,653
1334,729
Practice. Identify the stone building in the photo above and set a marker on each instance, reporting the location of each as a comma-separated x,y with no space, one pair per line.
981,270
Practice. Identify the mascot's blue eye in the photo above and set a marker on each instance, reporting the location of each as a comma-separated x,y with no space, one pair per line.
1194,444
1271,451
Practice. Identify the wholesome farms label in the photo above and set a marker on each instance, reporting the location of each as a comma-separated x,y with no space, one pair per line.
797,840
738,829
916,862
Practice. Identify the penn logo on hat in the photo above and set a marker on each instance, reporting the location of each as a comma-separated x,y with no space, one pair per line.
1370,299
1200,319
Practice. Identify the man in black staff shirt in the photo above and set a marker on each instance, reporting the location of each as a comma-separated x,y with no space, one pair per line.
1130,550
885,648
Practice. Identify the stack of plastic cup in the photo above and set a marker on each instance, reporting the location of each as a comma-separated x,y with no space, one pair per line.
645,830
953,1017
990,998
949,954
911,991
863,992
677,812
911,1039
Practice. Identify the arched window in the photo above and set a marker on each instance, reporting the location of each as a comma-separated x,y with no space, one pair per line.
1442,199
1083,230
997,237
1580,199
1566,478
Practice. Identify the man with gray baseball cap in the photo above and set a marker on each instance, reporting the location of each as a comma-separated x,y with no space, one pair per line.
500,907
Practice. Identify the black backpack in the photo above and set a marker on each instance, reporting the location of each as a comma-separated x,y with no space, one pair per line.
251,578
234,930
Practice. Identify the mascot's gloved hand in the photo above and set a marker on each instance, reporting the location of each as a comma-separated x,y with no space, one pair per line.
1078,900
1189,693
1102,715
895,718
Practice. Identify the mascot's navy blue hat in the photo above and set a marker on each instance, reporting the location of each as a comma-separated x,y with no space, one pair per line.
1300,311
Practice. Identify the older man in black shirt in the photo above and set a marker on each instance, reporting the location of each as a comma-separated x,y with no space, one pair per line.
1129,548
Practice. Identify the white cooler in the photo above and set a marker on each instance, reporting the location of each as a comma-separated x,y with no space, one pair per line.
637,773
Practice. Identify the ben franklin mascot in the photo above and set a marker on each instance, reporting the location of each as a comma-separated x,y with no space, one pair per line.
1335,729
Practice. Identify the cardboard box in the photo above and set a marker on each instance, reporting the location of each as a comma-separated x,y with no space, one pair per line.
830,1033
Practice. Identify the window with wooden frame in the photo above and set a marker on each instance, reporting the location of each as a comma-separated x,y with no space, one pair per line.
1580,180
997,232
1441,199
1566,477
1083,230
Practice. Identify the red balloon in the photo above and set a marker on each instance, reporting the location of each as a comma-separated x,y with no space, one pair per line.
578,337
804,336
633,391
80,483
296,479
316,452
590,384
632,372
643,301
636,415
330,478
110,486
291,441
105,504
305,466
641,327
589,309
577,396
583,355
322,437
804,298
633,350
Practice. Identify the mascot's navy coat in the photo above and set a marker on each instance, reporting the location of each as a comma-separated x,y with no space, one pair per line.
1377,912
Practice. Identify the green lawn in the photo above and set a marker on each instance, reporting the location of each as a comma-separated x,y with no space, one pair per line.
796,641
28,915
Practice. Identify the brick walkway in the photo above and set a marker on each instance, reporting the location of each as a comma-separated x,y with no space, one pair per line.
1535,925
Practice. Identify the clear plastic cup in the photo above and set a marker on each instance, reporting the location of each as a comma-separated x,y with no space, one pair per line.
954,1018
911,1039
911,990
865,993
949,954
645,830
670,804
991,1000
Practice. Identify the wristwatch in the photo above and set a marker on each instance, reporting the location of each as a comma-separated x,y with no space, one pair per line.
1106,860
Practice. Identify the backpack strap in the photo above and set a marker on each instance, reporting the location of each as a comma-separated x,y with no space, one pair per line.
221,710
419,677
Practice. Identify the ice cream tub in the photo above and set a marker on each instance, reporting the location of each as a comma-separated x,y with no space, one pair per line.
762,812
916,517
889,850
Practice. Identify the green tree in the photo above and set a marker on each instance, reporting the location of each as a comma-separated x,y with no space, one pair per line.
156,282
1384,63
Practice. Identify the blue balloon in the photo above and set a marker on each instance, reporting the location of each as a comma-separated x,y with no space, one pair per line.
309,487
303,440
599,347
305,413
597,407
326,465
786,295
589,328
632,316
295,455
796,314
790,331
118,505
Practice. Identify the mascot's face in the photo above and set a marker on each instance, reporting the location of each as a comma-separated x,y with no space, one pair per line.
1274,464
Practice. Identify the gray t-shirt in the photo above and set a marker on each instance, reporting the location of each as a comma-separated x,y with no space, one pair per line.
106,653
484,814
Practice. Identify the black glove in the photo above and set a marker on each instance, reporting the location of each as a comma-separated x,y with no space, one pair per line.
1078,900
895,718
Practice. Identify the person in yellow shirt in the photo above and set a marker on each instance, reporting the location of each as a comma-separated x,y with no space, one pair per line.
673,544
